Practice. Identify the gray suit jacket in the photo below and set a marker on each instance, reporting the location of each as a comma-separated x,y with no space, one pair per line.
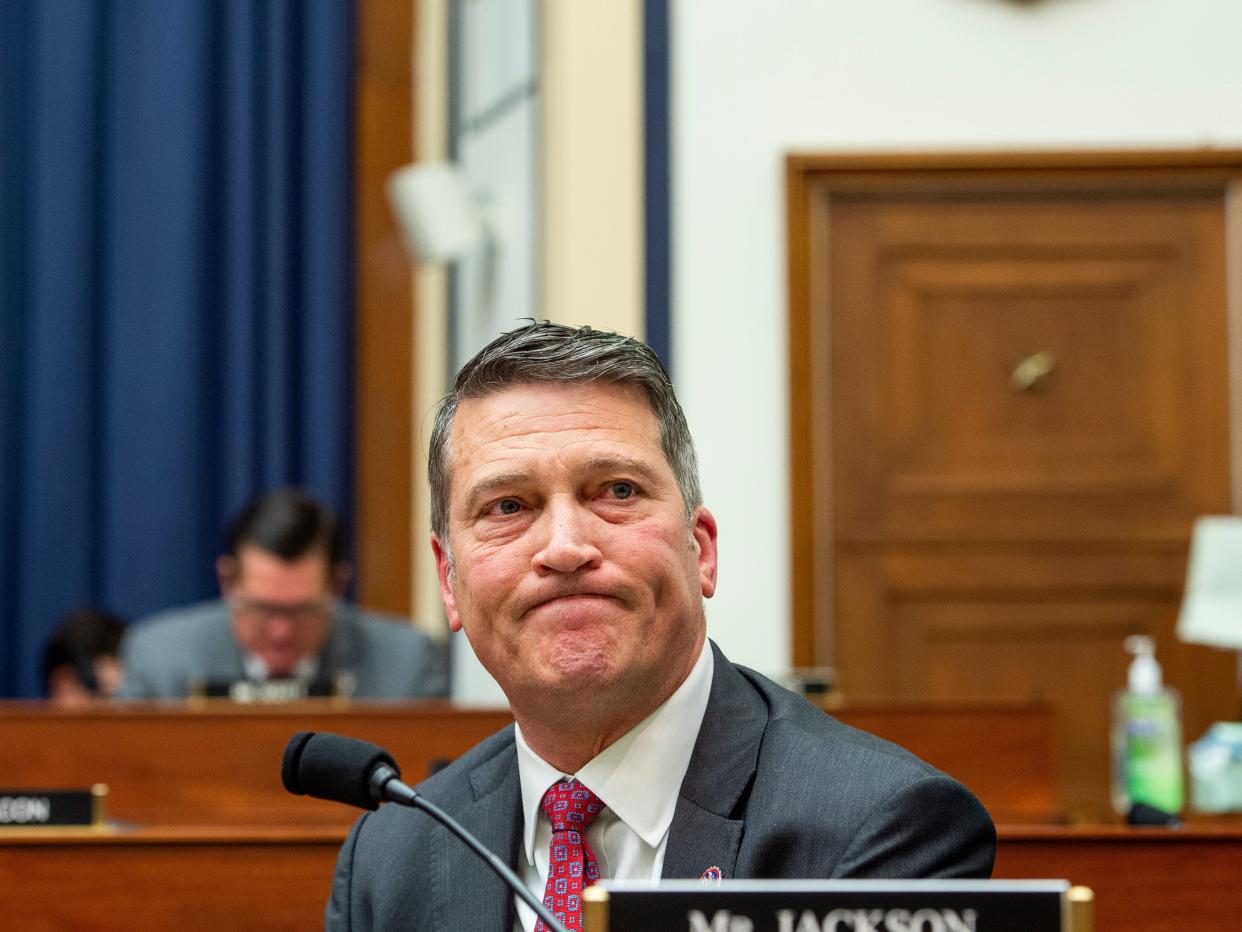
775,789
166,654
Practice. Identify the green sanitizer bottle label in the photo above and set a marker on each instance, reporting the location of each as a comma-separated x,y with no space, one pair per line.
1153,751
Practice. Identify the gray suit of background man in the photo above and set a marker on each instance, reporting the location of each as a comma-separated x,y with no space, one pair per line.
575,552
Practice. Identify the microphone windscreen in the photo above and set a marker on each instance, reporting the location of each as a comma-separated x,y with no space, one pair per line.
333,767
290,761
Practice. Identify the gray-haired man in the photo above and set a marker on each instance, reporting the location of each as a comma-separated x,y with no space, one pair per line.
575,552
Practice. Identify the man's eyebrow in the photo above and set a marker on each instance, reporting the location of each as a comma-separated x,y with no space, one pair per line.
490,484
597,464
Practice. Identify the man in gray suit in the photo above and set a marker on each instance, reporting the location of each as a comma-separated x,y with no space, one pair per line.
281,620
575,552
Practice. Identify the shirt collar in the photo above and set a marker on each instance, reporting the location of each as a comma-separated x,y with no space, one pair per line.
256,668
639,775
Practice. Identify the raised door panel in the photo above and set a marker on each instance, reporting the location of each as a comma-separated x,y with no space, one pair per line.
1021,623
1027,367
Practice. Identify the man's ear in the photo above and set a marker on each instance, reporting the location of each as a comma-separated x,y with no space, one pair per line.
444,569
342,573
226,572
703,537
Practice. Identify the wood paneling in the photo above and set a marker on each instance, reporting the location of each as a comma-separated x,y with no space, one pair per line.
384,303
221,765
960,537
1145,880
1006,754
169,878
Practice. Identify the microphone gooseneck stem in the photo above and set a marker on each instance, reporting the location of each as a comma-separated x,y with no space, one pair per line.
392,789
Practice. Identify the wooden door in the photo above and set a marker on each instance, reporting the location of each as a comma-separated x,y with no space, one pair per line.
1010,401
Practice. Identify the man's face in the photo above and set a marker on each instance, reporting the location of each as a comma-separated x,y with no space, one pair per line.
281,608
573,564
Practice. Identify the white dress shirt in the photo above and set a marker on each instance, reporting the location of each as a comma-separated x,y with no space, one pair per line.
637,777
256,668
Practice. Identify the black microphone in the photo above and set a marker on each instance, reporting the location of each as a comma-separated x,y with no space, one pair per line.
332,767
348,770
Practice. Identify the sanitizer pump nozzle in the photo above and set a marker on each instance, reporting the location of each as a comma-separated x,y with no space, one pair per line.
1145,677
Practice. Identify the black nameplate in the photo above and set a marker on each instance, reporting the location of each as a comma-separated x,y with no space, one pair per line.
31,808
840,906
266,691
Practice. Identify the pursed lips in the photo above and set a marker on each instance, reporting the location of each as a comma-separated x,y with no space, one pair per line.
569,599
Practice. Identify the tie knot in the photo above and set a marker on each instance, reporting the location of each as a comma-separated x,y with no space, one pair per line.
570,806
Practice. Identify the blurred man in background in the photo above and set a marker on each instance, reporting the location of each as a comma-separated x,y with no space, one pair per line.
281,620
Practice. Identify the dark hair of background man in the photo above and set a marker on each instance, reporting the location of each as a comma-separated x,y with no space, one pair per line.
81,637
287,523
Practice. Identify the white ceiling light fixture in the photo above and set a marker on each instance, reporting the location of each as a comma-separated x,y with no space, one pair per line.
442,218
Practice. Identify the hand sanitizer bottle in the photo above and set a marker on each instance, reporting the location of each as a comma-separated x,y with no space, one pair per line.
1147,736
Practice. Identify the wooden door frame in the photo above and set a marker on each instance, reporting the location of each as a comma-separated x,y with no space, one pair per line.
812,177
384,349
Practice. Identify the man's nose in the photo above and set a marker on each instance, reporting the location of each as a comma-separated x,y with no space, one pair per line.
569,544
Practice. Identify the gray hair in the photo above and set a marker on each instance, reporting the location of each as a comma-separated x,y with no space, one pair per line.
544,352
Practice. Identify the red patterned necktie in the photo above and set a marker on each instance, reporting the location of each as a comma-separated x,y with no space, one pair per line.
570,807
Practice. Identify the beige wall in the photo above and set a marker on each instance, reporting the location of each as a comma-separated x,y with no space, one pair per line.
593,163
430,298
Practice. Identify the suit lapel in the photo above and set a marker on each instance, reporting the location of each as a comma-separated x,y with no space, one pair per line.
340,652
707,826
699,839
477,898
226,660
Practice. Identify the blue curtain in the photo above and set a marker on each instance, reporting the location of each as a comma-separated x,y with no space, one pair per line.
175,292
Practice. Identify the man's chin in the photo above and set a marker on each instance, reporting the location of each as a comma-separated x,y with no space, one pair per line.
280,668
589,670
